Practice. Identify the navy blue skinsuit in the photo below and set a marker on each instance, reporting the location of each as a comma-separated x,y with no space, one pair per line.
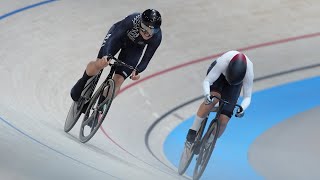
124,35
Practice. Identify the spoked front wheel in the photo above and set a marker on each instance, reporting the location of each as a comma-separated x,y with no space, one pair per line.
191,149
96,113
186,158
206,148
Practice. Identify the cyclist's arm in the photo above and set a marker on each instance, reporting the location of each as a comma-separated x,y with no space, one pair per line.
119,31
151,49
247,87
213,75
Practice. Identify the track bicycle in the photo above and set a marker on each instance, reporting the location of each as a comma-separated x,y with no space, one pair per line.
91,103
203,144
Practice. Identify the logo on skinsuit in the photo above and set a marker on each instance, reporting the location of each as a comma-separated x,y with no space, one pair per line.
105,39
134,32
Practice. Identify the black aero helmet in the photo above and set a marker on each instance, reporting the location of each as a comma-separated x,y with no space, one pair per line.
151,18
236,69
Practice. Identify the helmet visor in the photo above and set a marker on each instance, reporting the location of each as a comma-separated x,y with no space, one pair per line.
148,29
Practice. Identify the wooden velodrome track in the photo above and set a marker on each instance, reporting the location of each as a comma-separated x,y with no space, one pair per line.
45,46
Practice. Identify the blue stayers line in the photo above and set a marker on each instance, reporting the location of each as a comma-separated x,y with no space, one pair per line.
268,108
23,133
25,8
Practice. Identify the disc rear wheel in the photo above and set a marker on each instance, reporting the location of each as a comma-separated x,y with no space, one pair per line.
186,158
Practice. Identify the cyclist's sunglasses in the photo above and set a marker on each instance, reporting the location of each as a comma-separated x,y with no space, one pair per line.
146,29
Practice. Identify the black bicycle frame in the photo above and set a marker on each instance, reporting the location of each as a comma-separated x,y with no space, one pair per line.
112,70
114,66
222,103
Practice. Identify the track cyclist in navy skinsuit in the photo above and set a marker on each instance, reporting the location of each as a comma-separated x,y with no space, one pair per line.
129,36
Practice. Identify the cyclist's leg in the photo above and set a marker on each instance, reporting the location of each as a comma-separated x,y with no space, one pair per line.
131,56
118,81
79,86
204,109
202,113
93,67
230,94
215,90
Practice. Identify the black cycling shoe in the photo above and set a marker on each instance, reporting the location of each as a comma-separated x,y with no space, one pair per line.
191,136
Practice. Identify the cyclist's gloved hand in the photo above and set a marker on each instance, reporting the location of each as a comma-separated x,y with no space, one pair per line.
108,57
239,113
135,75
207,99
102,63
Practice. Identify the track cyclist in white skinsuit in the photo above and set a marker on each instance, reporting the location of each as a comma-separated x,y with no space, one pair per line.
225,78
